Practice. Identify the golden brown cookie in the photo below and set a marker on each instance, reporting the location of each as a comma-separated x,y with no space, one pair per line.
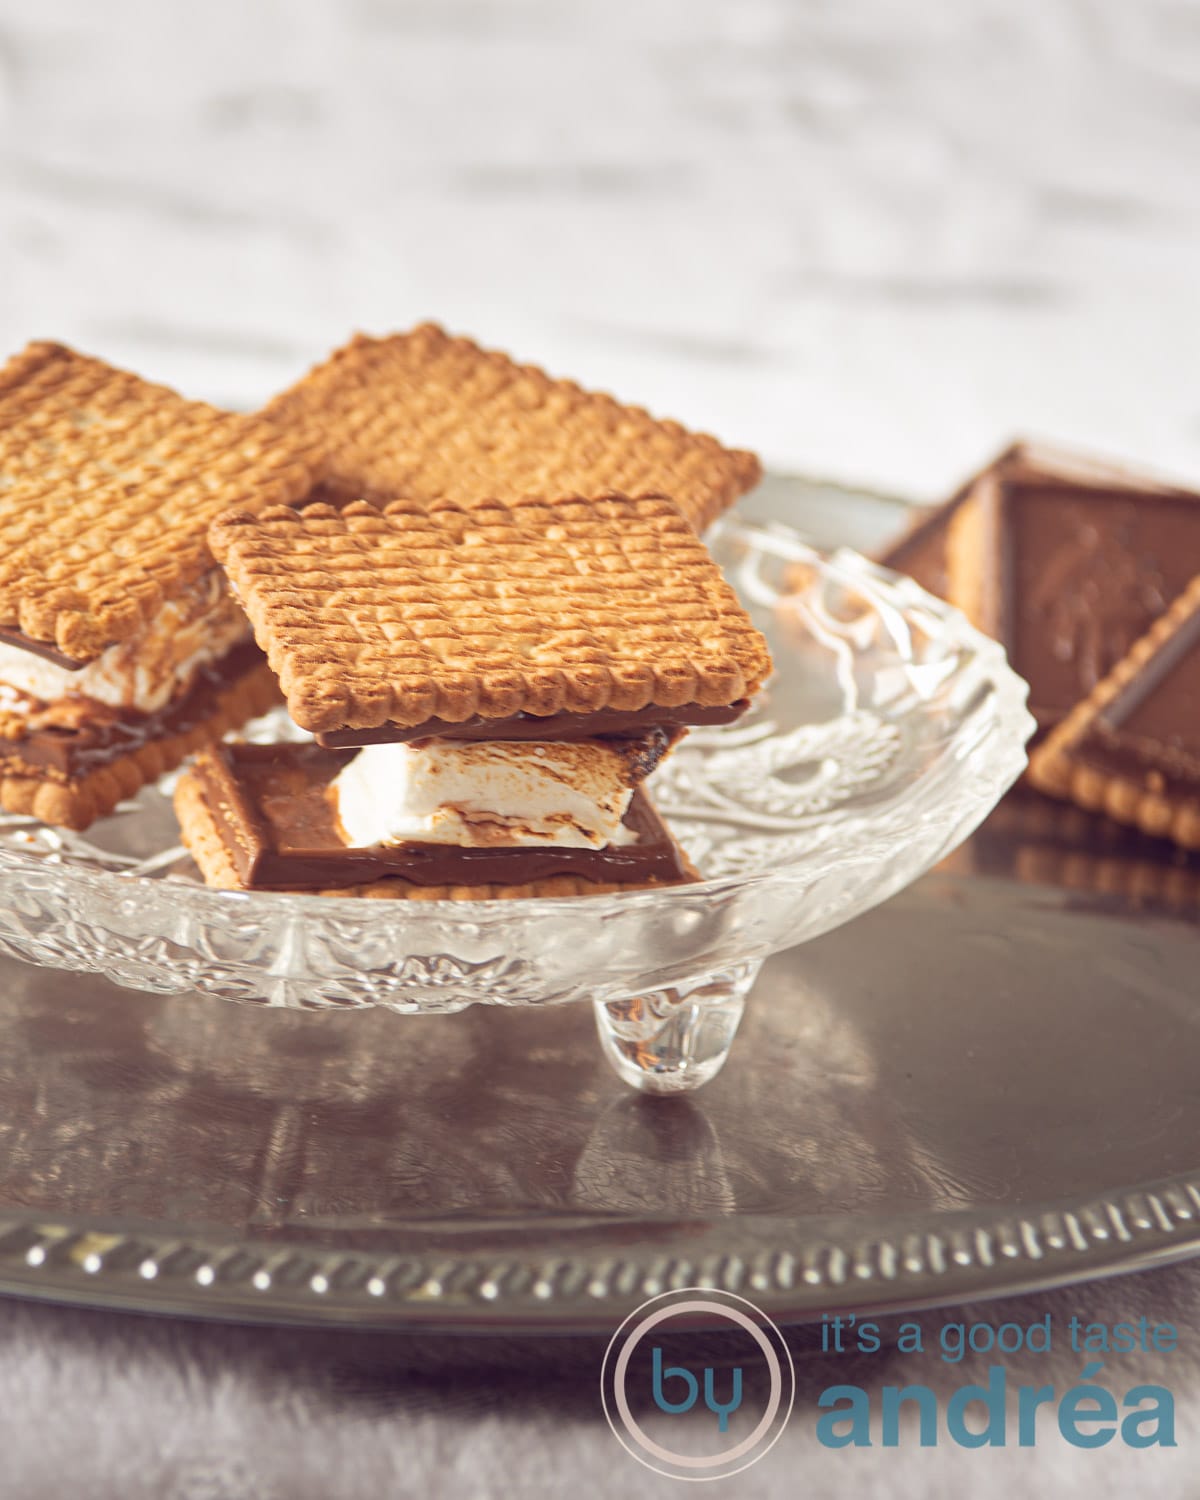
430,417
107,486
413,612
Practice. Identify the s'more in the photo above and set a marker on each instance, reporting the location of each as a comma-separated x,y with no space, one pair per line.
489,685
430,416
121,648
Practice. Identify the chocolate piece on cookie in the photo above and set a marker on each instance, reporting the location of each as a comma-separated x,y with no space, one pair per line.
431,417
1131,749
1066,562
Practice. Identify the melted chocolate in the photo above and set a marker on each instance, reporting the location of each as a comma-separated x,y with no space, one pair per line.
108,733
605,724
271,806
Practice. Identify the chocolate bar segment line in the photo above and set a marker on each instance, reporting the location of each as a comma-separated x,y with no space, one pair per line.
605,724
271,807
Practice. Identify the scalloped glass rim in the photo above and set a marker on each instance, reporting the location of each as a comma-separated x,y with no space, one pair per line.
969,758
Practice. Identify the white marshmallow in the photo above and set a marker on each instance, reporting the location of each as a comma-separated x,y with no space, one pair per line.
486,794
145,672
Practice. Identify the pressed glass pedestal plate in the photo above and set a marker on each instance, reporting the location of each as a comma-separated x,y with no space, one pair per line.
889,729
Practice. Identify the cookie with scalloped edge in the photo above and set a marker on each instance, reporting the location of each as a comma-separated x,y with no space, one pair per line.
431,416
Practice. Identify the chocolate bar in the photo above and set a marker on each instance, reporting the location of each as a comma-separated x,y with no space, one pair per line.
1064,560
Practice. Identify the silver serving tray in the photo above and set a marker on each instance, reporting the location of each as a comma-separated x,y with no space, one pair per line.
987,1084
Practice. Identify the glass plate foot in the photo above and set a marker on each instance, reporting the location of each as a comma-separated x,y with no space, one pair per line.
675,1039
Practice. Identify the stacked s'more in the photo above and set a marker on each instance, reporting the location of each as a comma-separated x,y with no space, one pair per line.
121,648
495,617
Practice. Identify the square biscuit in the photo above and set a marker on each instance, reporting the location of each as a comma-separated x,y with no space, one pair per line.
432,417
107,487
407,612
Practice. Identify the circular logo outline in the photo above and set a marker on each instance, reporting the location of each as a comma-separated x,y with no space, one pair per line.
703,1301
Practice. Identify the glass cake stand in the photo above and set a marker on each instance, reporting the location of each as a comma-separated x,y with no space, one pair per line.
890,729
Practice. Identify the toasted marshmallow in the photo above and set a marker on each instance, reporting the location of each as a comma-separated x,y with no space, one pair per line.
491,793
146,672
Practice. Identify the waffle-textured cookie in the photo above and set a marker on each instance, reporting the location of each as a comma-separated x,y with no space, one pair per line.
428,416
107,485
203,841
1131,749
402,614
80,802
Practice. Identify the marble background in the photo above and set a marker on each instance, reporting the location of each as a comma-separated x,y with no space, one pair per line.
872,239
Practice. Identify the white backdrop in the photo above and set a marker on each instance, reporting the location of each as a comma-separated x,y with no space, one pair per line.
871,238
